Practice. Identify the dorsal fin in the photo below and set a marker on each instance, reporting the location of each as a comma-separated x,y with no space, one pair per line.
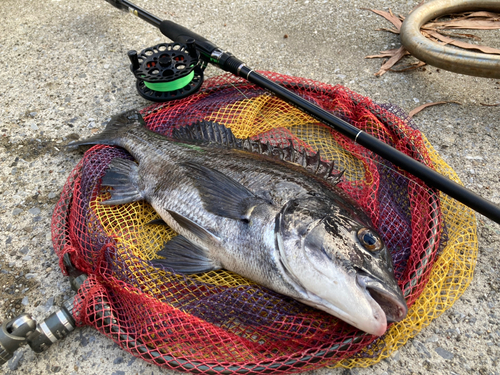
218,135
208,132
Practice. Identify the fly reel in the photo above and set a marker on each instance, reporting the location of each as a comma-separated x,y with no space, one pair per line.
167,71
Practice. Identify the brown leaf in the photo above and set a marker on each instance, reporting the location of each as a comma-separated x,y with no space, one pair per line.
482,13
482,20
388,53
459,35
394,31
412,66
389,17
414,111
398,55
457,43
488,24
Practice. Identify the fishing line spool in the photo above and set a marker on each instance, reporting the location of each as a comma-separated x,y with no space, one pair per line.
167,71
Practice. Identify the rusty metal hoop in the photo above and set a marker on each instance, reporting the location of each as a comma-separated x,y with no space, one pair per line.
448,58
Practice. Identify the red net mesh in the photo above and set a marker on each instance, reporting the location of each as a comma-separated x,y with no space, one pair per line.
219,321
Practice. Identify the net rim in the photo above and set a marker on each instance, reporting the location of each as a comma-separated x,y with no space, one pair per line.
274,365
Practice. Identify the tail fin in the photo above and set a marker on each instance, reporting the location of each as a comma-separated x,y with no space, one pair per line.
116,127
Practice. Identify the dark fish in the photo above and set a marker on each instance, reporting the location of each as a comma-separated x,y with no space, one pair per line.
273,215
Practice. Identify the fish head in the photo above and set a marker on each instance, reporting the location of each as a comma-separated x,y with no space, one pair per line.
334,259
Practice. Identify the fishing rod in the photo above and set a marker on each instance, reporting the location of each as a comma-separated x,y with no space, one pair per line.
208,52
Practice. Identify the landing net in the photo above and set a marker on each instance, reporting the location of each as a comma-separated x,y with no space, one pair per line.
220,322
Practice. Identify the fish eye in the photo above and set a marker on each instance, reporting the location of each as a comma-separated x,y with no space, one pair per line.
369,239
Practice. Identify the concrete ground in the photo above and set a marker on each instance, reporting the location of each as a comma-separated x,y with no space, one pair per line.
64,70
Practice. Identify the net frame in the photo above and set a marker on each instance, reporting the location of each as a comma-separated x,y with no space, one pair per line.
441,268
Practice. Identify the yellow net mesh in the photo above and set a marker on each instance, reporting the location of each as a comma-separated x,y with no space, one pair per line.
435,262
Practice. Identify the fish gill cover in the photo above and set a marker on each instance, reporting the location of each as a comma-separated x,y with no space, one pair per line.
220,322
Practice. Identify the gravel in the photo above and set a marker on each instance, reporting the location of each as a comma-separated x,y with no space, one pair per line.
15,361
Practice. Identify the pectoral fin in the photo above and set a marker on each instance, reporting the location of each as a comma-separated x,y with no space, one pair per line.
183,256
222,195
122,176
189,225
194,228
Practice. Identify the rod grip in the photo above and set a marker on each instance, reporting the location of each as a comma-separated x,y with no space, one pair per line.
180,34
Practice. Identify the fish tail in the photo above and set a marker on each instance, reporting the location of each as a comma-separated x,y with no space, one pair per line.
115,129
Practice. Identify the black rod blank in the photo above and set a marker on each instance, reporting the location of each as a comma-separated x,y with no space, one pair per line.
214,55
426,174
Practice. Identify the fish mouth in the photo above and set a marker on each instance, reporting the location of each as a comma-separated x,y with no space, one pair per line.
390,301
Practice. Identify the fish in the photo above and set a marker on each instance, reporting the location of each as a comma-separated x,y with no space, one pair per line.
272,214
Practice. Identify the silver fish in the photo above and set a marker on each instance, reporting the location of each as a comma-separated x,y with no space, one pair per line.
270,214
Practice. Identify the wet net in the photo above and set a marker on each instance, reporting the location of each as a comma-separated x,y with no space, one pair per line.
220,322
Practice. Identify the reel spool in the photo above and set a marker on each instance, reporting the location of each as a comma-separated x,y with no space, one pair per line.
167,71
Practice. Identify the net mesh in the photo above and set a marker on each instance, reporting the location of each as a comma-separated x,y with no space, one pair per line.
220,322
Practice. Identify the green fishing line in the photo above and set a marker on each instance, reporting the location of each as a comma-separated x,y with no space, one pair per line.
170,86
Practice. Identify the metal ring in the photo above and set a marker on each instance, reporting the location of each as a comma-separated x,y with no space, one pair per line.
448,58
47,332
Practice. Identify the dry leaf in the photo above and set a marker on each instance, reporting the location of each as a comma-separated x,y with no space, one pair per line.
388,53
414,111
481,13
389,17
412,66
457,43
482,20
488,24
394,31
398,55
490,105
459,35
